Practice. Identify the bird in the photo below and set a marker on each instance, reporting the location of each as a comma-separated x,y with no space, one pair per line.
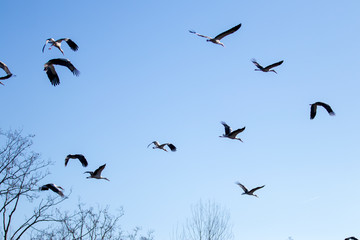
231,134
57,44
247,192
267,68
351,238
81,158
6,69
217,39
314,107
97,173
162,146
53,187
50,69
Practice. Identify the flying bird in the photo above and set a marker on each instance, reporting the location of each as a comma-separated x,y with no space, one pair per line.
162,146
267,68
217,39
351,238
97,173
247,192
231,134
81,158
314,107
52,187
57,44
6,69
50,69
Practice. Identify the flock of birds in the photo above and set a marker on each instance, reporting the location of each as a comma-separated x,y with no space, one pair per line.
229,133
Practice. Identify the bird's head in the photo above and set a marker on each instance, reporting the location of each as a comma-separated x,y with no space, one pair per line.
61,188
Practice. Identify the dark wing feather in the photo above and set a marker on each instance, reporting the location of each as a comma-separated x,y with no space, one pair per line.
5,68
67,159
227,128
66,63
313,111
99,170
327,107
257,64
172,147
230,31
55,189
242,186
237,131
200,34
254,189
82,159
71,44
274,65
6,77
52,75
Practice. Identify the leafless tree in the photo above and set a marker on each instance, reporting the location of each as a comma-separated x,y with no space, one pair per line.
21,171
87,223
209,221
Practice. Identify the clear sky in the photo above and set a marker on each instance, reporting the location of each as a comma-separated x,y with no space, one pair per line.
144,77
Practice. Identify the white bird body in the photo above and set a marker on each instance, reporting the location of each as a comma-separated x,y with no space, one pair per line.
217,39
231,134
162,146
57,44
97,173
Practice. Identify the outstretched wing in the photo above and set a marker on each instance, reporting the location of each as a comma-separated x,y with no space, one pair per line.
47,40
237,131
200,34
313,111
242,186
254,189
71,43
227,128
82,159
257,64
230,31
274,65
327,107
99,170
172,147
5,68
52,75
66,63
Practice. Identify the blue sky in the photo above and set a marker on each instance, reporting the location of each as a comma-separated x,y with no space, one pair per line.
144,77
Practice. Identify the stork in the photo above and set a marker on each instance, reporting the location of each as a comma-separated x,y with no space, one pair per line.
52,187
6,69
162,146
247,192
231,134
81,158
324,105
57,44
50,69
97,173
217,39
267,68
